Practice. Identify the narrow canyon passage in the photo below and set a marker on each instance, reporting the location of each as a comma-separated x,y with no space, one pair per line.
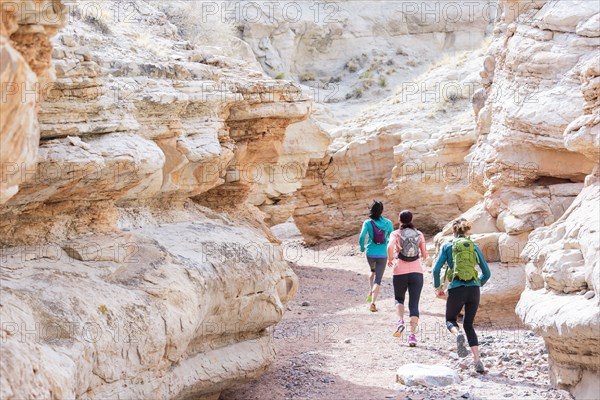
151,153
331,347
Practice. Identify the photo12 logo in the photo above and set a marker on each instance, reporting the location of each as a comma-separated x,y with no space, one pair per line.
269,11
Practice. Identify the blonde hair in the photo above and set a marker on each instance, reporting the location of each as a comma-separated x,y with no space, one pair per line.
460,226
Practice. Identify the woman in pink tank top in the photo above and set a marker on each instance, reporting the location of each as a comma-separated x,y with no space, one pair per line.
405,247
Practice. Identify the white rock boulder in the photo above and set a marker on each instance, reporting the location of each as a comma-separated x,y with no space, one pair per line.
426,375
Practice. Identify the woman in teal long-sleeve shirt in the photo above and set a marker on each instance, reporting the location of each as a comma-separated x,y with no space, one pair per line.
376,252
462,293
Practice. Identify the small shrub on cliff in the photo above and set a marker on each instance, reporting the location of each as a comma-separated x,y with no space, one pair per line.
97,24
452,96
366,75
382,81
352,66
358,92
307,76
280,75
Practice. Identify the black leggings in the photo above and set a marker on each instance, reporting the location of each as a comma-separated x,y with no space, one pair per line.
414,283
467,296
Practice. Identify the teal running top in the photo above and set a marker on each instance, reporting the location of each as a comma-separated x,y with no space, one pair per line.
375,250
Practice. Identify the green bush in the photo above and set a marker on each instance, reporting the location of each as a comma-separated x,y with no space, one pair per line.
307,76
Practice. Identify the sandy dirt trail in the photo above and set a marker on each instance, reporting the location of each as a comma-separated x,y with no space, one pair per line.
331,347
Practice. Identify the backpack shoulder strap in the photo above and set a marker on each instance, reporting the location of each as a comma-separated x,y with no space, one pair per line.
476,254
398,239
372,224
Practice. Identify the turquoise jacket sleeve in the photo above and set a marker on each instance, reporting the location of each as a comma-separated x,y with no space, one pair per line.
363,234
437,268
485,270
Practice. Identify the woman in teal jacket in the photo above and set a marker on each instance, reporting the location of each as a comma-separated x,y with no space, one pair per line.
378,229
462,293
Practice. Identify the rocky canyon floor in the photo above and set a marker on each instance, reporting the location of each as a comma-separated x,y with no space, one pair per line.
331,347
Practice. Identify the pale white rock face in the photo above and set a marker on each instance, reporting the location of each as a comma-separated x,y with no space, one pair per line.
505,286
528,159
162,152
565,16
479,218
488,243
583,134
313,37
590,27
142,313
512,246
563,264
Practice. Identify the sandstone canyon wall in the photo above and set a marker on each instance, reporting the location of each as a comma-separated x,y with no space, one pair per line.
133,264
538,137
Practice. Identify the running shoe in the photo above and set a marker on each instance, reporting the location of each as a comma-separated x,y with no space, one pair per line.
479,367
461,349
399,328
412,340
373,308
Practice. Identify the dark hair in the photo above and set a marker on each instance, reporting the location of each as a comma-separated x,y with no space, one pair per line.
460,226
376,210
406,219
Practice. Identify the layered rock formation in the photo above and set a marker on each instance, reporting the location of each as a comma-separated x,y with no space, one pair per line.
527,172
561,301
538,138
123,272
275,185
26,52
407,150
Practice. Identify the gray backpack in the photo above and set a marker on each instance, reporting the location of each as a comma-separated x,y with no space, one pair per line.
409,244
